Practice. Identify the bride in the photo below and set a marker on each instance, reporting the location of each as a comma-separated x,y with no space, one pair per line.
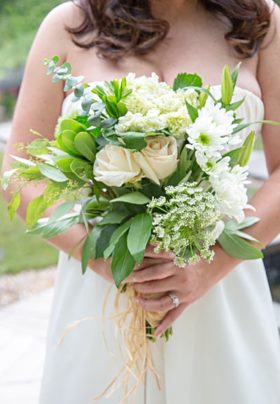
225,346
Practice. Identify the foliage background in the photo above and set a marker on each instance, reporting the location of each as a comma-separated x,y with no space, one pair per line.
19,21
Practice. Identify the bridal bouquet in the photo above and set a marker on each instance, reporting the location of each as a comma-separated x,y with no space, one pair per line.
138,161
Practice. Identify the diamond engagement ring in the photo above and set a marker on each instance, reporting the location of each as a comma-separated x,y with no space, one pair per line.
174,298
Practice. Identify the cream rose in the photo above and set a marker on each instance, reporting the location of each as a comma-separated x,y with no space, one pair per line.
115,166
159,158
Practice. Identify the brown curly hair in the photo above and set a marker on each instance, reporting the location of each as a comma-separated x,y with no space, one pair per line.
123,27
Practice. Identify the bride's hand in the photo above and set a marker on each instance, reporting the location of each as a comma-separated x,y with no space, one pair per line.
103,267
188,284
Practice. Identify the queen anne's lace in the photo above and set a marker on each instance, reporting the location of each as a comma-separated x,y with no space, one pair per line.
184,222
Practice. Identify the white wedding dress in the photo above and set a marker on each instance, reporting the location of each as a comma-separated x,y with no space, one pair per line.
224,349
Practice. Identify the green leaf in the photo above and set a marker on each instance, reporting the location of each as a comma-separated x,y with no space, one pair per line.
139,234
122,261
14,205
62,210
48,228
203,97
234,74
7,176
86,252
235,105
246,236
182,169
240,127
233,225
134,140
31,174
117,234
114,217
35,210
38,147
136,198
70,124
89,248
85,145
66,142
37,207
104,240
193,112
184,80
82,169
25,162
64,164
52,173
234,156
247,149
122,109
227,86
237,247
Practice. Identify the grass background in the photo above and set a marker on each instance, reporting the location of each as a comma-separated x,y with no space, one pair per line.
19,250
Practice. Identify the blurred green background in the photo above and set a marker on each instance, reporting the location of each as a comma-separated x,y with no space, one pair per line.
19,21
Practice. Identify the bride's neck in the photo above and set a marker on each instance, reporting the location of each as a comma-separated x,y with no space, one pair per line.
172,10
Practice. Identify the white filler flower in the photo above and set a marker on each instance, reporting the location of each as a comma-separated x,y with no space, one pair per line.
211,132
230,189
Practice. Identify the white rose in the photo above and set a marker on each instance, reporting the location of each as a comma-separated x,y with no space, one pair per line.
159,158
115,166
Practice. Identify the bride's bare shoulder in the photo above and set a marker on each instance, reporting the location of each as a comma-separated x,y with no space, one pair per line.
53,29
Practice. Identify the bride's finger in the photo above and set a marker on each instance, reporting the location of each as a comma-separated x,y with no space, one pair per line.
158,286
164,304
148,262
152,254
169,319
152,272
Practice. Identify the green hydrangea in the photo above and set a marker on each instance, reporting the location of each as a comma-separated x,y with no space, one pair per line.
183,223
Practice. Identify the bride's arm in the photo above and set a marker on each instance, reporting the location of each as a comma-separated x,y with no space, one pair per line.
196,280
39,106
